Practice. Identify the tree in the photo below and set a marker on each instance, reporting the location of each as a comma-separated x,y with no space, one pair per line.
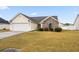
67,24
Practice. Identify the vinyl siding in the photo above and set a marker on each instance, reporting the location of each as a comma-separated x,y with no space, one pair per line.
6,26
33,26
20,19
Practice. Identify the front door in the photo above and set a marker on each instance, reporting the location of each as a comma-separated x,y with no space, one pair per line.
50,25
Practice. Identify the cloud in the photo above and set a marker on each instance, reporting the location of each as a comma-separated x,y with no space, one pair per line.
34,13
4,7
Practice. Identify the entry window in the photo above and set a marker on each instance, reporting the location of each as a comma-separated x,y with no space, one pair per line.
29,22
50,25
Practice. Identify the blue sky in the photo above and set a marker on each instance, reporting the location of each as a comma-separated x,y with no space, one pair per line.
66,14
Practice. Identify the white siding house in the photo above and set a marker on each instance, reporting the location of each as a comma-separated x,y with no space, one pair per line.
76,23
4,24
70,27
22,23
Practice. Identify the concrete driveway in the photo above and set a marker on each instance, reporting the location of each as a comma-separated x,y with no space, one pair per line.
8,34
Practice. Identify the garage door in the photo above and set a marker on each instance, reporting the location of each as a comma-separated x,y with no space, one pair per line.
20,27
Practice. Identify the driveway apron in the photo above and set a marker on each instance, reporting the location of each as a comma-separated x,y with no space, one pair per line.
8,34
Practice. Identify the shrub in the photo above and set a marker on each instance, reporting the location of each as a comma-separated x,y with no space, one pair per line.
40,29
58,29
45,29
51,29
4,28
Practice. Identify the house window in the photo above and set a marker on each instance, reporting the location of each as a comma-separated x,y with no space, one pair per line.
39,26
28,20
50,25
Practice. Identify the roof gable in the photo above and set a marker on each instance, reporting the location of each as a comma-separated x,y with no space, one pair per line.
20,18
16,16
24,16
47,18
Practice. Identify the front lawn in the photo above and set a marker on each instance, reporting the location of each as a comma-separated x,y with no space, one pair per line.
1,30
43,41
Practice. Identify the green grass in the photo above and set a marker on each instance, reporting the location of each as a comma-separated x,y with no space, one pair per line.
67,41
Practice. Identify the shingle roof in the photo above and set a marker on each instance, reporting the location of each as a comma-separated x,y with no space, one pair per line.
35,19
38,19
3,21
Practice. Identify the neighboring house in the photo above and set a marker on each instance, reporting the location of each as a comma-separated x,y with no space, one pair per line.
70,27
22,22
67,27
4,24
76,23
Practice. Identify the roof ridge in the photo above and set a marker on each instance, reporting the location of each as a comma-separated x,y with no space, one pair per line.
41,16
36,18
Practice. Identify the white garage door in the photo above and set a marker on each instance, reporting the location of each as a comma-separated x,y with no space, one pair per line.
20,27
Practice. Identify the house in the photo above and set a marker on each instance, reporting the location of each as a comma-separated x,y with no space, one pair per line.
4,24
22,22
76,23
